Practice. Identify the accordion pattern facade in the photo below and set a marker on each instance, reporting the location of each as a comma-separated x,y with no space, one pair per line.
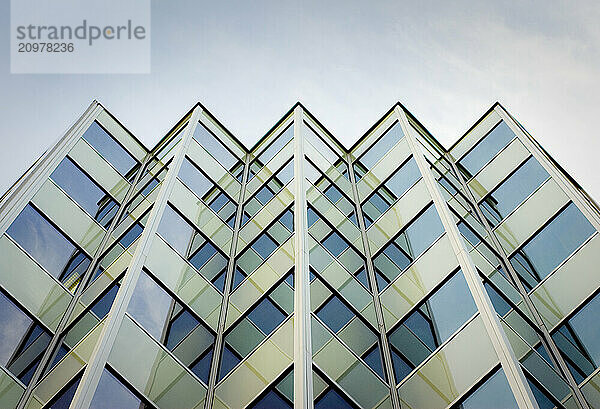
298,273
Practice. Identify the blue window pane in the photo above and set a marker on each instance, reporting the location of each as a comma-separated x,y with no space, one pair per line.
238,277
421,233
404,178
103,305
506,197
215,147
202,367
335,314
276,146
180,327
65,397
578,339
543,401
332,399
401,367
218,203
229,360
487,148
150,305
433,322
201,257
264,194
312,216
451,306
271,401
87,193
554,243
194,178
286,173
110,149
15,328
287,219
468,233
382,146
499,303
333,193
43,242
420,325
266,316
373,359
335,244
219,281
361,276
264,246
409,244
111,394
493,394
132,234
176,230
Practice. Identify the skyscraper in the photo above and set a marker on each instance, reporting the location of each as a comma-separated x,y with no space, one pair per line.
298,273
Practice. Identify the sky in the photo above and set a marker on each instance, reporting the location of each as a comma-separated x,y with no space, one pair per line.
347,61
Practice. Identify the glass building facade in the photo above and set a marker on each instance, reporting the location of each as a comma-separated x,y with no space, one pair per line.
298,273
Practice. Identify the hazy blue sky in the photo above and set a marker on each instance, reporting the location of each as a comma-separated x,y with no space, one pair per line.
347,61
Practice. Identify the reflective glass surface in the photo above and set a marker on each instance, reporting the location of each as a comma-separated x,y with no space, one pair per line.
407,246
551,246
486,148
48,246
215,147
112,394
495,393
87,193
378,150
510,193
430,324
387,194
22,340
173,324
578,339
110,149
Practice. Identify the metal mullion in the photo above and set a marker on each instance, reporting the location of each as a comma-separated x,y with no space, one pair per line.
99,356
545,338
370,268
227,290
498,338
303,378
56,339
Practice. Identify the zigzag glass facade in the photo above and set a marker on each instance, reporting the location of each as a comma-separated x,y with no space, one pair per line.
298,273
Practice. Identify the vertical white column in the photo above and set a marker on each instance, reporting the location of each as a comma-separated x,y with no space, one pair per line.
93,371
303,391
516,379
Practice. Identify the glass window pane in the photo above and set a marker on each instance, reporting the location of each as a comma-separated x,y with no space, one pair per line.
380,148
48,246
215,147
110,149
495,393
65,397
552,245
432,323
276,146
579,340
87,193
194,178
508,195
22,340
487,148
111,394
